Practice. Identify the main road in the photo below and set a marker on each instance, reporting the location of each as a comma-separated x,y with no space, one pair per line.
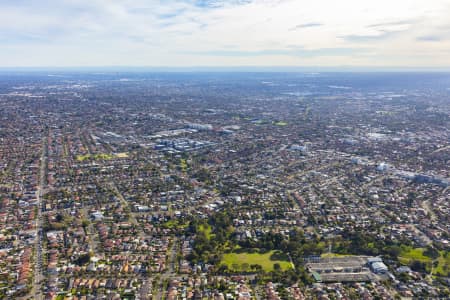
36,292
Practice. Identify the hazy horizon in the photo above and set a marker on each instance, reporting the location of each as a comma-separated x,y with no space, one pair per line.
225,69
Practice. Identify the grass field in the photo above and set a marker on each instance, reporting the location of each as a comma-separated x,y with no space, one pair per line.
243,261
104,156
122,155
443,267
409,254
331,255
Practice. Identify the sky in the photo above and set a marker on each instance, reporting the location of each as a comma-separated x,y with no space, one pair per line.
187,33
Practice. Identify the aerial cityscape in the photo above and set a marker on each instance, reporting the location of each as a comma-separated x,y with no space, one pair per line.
224,186
224,149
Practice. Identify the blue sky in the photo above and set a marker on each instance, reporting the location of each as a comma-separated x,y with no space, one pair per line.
382,33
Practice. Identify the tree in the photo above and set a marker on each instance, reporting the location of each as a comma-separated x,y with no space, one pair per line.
222,269
393,251
276,267
430,251
82,260
418,266
235,266
245,267
410,199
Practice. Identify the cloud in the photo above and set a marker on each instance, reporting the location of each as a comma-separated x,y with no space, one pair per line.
219,3
200,32
389,24
172,14
430,38
306,25
298,52
367,38
379,31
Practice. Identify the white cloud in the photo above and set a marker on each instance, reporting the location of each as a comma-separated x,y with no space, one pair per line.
190,32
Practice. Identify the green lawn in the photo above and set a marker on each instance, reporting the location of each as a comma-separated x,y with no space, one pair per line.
122,155
206,228
104,156
94,156
409,254
443,267
174,224
243,261
332,255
